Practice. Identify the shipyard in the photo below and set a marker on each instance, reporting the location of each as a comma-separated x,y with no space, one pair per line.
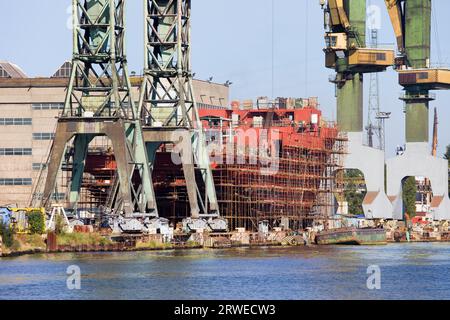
98,158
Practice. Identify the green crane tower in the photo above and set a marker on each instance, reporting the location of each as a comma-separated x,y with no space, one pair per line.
99,103
350,87
417,54
346,53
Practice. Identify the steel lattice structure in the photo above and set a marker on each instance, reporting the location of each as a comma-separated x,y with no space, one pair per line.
374,125
167,104
99,103
99,67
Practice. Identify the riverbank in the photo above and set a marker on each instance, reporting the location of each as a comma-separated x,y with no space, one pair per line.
117,248
23,244
96,242
78,242
122,248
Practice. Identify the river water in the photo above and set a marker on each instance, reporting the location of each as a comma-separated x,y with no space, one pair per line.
407,271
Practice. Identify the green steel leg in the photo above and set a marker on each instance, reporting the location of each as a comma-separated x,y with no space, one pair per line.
116,134
191,186
144,170
199,143
56,157
151,153
81,145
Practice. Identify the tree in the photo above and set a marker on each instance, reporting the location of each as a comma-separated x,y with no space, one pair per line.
409,196
36,222
7,235
354,192
59,224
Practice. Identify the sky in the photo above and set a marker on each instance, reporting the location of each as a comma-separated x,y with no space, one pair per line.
264,47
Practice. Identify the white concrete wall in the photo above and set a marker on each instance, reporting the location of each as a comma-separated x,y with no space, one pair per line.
418,162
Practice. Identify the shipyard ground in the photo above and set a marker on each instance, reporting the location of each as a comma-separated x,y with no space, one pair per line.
25,244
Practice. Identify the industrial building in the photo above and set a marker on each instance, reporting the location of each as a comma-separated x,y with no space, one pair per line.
29,108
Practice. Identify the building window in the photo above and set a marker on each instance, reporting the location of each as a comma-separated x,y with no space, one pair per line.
423,75
4,74
39,166
47,106
16,182
55,196
64,71
15,121
15,152
43,136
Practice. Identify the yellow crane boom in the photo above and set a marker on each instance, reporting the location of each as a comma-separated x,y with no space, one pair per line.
395,11
337,13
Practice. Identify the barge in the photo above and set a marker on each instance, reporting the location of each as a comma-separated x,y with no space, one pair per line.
352,236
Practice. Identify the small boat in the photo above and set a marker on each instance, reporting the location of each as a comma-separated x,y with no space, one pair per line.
352,236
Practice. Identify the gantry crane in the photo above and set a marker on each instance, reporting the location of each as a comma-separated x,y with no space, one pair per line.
411,20
167,103
347,54
99,103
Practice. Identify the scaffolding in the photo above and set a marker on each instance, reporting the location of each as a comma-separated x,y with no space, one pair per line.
301,191
298,191
99,176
